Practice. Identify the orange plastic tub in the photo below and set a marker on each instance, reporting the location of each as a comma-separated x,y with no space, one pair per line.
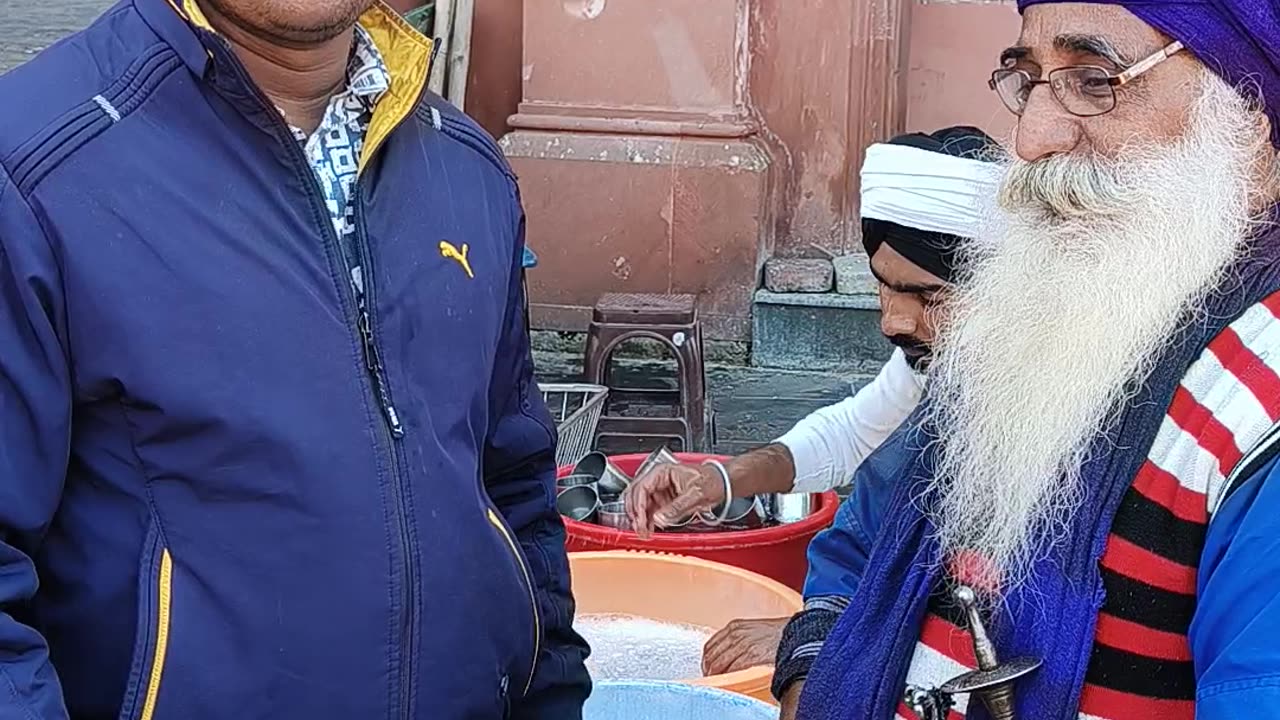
775,552
679,589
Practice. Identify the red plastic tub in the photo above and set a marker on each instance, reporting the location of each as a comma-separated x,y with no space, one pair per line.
775,552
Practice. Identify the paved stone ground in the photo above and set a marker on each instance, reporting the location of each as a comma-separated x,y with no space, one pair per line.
28,26
753,405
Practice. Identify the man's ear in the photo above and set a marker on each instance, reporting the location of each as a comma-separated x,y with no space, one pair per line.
1264,129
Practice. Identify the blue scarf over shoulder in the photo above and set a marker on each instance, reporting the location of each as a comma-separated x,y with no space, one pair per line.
861,672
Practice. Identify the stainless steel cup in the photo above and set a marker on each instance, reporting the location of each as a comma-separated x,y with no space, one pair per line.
745,513
575,480
792,507
687,525
612,480
614,515
661,456
579,502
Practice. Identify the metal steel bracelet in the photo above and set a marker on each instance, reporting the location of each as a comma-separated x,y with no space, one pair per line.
728,491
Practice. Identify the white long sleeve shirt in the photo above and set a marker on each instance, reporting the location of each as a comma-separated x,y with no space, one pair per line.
829,444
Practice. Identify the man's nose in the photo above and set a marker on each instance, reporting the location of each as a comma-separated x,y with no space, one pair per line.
894,321
1045,128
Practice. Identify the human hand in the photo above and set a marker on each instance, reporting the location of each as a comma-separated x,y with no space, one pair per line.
670,493
743,644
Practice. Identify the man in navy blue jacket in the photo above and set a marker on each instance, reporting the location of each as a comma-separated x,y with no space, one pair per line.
270,441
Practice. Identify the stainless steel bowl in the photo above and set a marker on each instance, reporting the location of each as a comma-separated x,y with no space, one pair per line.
579,502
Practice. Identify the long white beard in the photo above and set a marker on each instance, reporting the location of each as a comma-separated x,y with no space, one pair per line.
1073,292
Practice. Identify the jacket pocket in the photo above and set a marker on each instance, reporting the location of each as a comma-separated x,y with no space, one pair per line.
151,642
501,527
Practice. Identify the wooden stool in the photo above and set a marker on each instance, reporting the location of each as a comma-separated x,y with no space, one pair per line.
673,321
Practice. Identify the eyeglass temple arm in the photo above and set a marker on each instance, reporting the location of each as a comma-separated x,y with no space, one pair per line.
1148,62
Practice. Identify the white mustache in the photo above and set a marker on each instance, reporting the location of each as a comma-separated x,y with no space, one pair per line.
1065,186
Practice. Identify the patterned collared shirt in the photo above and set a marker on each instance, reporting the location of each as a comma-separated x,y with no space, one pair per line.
334,148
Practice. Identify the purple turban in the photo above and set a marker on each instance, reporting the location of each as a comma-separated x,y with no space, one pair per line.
1237,39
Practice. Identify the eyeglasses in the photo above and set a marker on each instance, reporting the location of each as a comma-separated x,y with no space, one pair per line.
1082,90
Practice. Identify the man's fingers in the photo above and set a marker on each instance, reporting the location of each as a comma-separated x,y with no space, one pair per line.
641,520
721,636
720,644
642,499
725,655
685,503
636,499
649,494
665,496
715,646
692,498
711,657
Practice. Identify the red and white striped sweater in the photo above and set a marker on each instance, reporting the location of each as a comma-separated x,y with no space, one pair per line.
1141,663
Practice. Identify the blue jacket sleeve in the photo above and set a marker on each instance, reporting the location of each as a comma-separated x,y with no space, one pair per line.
1235,634
520,471
35,431
838,555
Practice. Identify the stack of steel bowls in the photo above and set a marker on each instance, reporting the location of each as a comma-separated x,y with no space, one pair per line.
578,497
593,493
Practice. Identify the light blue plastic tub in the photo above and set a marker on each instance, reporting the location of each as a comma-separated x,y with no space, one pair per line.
642,700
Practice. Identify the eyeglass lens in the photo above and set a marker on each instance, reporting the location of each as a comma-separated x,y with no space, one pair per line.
1084,91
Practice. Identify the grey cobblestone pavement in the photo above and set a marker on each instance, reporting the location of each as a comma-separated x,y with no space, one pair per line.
28,26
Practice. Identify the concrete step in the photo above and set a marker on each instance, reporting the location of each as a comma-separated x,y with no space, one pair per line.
818,332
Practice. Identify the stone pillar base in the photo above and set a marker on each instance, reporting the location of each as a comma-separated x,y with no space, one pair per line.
642,213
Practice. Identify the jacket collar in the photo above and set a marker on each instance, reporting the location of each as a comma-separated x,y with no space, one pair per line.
168,21
407,54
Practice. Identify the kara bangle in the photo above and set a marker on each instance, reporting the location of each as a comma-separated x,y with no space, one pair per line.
728,491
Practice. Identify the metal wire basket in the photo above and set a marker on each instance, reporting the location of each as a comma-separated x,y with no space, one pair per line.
576,408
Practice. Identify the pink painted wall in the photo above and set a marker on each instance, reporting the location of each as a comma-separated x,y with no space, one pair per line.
802,86
493,84
953,49
814,92
817,96
802,78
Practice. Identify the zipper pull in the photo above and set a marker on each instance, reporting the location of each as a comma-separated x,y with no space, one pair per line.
393,419
374,364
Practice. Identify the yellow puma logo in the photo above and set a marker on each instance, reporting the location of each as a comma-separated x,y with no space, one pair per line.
447,250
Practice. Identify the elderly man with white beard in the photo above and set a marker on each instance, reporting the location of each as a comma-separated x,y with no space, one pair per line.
1087,497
